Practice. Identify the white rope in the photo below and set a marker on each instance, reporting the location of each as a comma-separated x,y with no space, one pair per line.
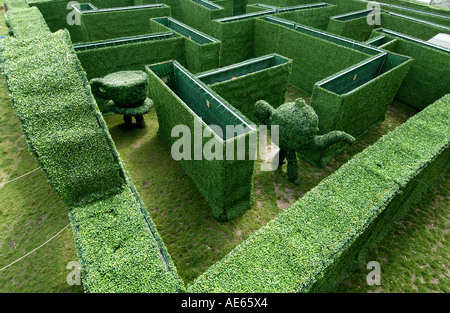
35,249
13,180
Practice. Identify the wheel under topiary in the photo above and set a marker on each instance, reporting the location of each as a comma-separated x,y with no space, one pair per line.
127,92
298,128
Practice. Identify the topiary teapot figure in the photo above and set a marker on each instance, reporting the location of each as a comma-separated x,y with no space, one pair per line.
298,128
127,91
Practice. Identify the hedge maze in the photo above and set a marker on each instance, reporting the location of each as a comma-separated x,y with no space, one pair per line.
208,63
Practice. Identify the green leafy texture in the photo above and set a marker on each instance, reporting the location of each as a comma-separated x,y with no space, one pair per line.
68,136
419,15
199,16
313,58
326,234
368,93
201,54
120,23
427,78
298,130
357,28
225,184
416,5
26,23
236,40
244,83
125,88
315,17
12,5
411,28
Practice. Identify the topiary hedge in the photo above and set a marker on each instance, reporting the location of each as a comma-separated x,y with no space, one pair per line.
117,243
326,234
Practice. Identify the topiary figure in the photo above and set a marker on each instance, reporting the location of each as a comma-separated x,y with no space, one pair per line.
298,128
128,93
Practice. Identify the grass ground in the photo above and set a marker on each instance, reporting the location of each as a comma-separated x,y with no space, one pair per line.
413,257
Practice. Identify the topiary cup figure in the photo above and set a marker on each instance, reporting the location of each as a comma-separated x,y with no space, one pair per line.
298,128
127,91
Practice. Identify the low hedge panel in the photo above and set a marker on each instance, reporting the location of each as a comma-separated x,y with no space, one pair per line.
313,58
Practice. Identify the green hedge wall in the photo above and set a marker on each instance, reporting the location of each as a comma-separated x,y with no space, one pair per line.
243,84
442,18
316,17
134,56
26,23
12,5
356,29
411,28
115,24
225,184
313,58
201,51
427,78
117,243
357,110
236,40
326,234
199,16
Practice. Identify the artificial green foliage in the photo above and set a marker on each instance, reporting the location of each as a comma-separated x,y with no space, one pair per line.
201,50
26,23
298,130
132,56
199,15
236,40
313,17
313,59
226,183
125,88
326,234
243,84
355,100
355,28
119,23
117,243
439,18
427,78
12,5
128,93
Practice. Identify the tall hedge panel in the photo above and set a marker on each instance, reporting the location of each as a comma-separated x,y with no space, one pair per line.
428,79
313,59
226,184
201,51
